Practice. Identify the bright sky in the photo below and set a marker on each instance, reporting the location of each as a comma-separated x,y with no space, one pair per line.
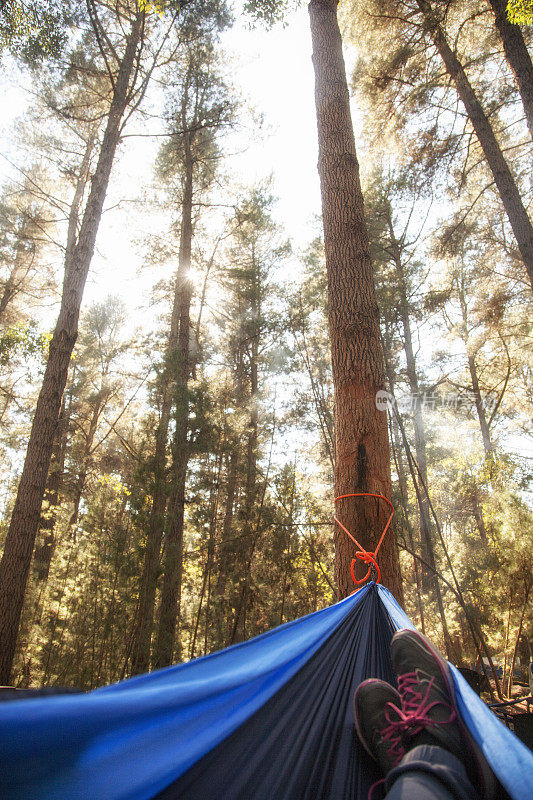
272,71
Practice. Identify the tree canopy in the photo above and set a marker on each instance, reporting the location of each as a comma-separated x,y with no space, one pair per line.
188,372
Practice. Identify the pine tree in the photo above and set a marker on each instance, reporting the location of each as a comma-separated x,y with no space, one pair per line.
517,55
126,90
200,109
362,461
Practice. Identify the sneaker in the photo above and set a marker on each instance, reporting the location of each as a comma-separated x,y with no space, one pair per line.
376,709
429,710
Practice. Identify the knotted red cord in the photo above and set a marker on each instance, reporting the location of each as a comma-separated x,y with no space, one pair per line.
366,556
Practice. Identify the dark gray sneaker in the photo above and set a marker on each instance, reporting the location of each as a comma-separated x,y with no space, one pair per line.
376,709
429,710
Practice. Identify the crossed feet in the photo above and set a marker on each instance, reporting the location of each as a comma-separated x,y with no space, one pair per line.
424,711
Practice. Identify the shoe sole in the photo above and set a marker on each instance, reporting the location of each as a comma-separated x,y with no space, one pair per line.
358,726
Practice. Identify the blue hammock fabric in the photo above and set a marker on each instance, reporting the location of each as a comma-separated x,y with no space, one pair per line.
268,718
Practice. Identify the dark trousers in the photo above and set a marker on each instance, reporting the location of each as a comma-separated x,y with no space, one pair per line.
429,773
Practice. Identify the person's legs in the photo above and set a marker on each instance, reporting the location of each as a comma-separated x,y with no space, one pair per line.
428,772
429,709
416,735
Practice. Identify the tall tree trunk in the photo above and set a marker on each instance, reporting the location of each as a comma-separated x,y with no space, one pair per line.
107,650
286,571
85,463
422,493
140,657
79,191
192,646
248,510
404,494
213,522
45,551
15,277
480,408
206,581
226,549
20,539
361,436
169,609
429,578
472,368
517,55
503,178
418,418
421,490
140,653
247,516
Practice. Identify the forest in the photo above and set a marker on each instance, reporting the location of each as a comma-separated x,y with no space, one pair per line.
190,376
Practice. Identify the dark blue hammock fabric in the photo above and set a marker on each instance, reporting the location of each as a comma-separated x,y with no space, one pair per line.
269,718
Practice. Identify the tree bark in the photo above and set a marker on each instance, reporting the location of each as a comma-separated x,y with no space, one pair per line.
226,549
206,580
361,435
140,658
15,278
194,111
211,553
169,609
81,184
81,479
480,408
20,539
248,510
517,640
517,55
419,491
429,578
422,498
140,653
503,178
404,494
418,418
45,551
472,368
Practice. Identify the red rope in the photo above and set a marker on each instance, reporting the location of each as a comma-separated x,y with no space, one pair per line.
366,556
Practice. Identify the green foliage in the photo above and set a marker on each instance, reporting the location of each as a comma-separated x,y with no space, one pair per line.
257,541
35,30
266,11
520,12
23,340
269,11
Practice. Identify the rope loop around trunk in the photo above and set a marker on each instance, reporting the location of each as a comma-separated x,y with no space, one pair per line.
366,556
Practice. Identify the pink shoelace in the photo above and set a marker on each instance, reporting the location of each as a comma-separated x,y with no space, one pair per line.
412,718
415,706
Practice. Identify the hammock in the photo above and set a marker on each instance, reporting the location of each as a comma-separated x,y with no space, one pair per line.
268,718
